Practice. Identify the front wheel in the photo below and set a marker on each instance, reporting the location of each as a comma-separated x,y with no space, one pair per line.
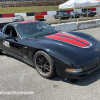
44,64
1,52
23,19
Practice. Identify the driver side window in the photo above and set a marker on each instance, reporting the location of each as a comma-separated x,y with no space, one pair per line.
10,30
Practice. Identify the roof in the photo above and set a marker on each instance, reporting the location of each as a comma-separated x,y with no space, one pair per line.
23,22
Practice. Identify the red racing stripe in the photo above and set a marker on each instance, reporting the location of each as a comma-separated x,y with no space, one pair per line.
28,21
68,40
73,37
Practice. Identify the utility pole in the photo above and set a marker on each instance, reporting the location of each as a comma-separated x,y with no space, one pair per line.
32,2
49,2
1,3
12,3
22,2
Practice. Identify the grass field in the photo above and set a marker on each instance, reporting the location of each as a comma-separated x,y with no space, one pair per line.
27,9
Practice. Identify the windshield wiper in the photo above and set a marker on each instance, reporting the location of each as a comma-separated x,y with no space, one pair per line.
43,35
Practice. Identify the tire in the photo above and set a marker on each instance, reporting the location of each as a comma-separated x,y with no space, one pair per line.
55,17
59,18
1,52
23,19
41,60
67,17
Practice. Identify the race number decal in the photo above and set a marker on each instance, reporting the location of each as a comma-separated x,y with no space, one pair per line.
6,44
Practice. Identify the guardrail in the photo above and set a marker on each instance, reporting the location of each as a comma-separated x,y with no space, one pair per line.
77,25
57,21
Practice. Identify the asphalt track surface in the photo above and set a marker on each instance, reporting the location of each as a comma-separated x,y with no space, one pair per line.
48,18
4,21
16,76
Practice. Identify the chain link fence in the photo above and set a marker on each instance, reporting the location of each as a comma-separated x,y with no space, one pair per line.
20,3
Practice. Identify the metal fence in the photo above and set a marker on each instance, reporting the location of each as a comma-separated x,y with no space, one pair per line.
19,3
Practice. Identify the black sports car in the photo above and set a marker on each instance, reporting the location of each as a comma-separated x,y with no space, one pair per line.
73,55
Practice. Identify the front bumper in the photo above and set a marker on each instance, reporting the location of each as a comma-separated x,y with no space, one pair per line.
88,61
86,69
40,19
15,20
61,71
65,17
80,74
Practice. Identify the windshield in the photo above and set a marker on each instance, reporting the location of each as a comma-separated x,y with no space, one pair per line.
89,11
63,13
17,16
76,12
35,29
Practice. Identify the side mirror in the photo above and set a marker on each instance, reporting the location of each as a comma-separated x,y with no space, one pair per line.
10,37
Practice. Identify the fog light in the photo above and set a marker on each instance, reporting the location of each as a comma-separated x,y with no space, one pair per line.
73,70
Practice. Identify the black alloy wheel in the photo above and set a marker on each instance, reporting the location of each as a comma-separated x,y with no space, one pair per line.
44,64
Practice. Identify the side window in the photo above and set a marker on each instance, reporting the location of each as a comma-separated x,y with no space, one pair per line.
7,31
10,30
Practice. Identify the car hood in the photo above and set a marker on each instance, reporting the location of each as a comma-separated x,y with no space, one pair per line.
67,44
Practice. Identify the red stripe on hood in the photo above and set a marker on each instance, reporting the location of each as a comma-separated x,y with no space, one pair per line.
73,37
68,40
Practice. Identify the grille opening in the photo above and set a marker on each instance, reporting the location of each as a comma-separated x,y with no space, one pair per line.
90,67
83,75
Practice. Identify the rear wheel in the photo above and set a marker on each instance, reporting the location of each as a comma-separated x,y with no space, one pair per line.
44,64
67,17
55,17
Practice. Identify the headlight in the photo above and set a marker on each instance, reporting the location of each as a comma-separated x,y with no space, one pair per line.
73,70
